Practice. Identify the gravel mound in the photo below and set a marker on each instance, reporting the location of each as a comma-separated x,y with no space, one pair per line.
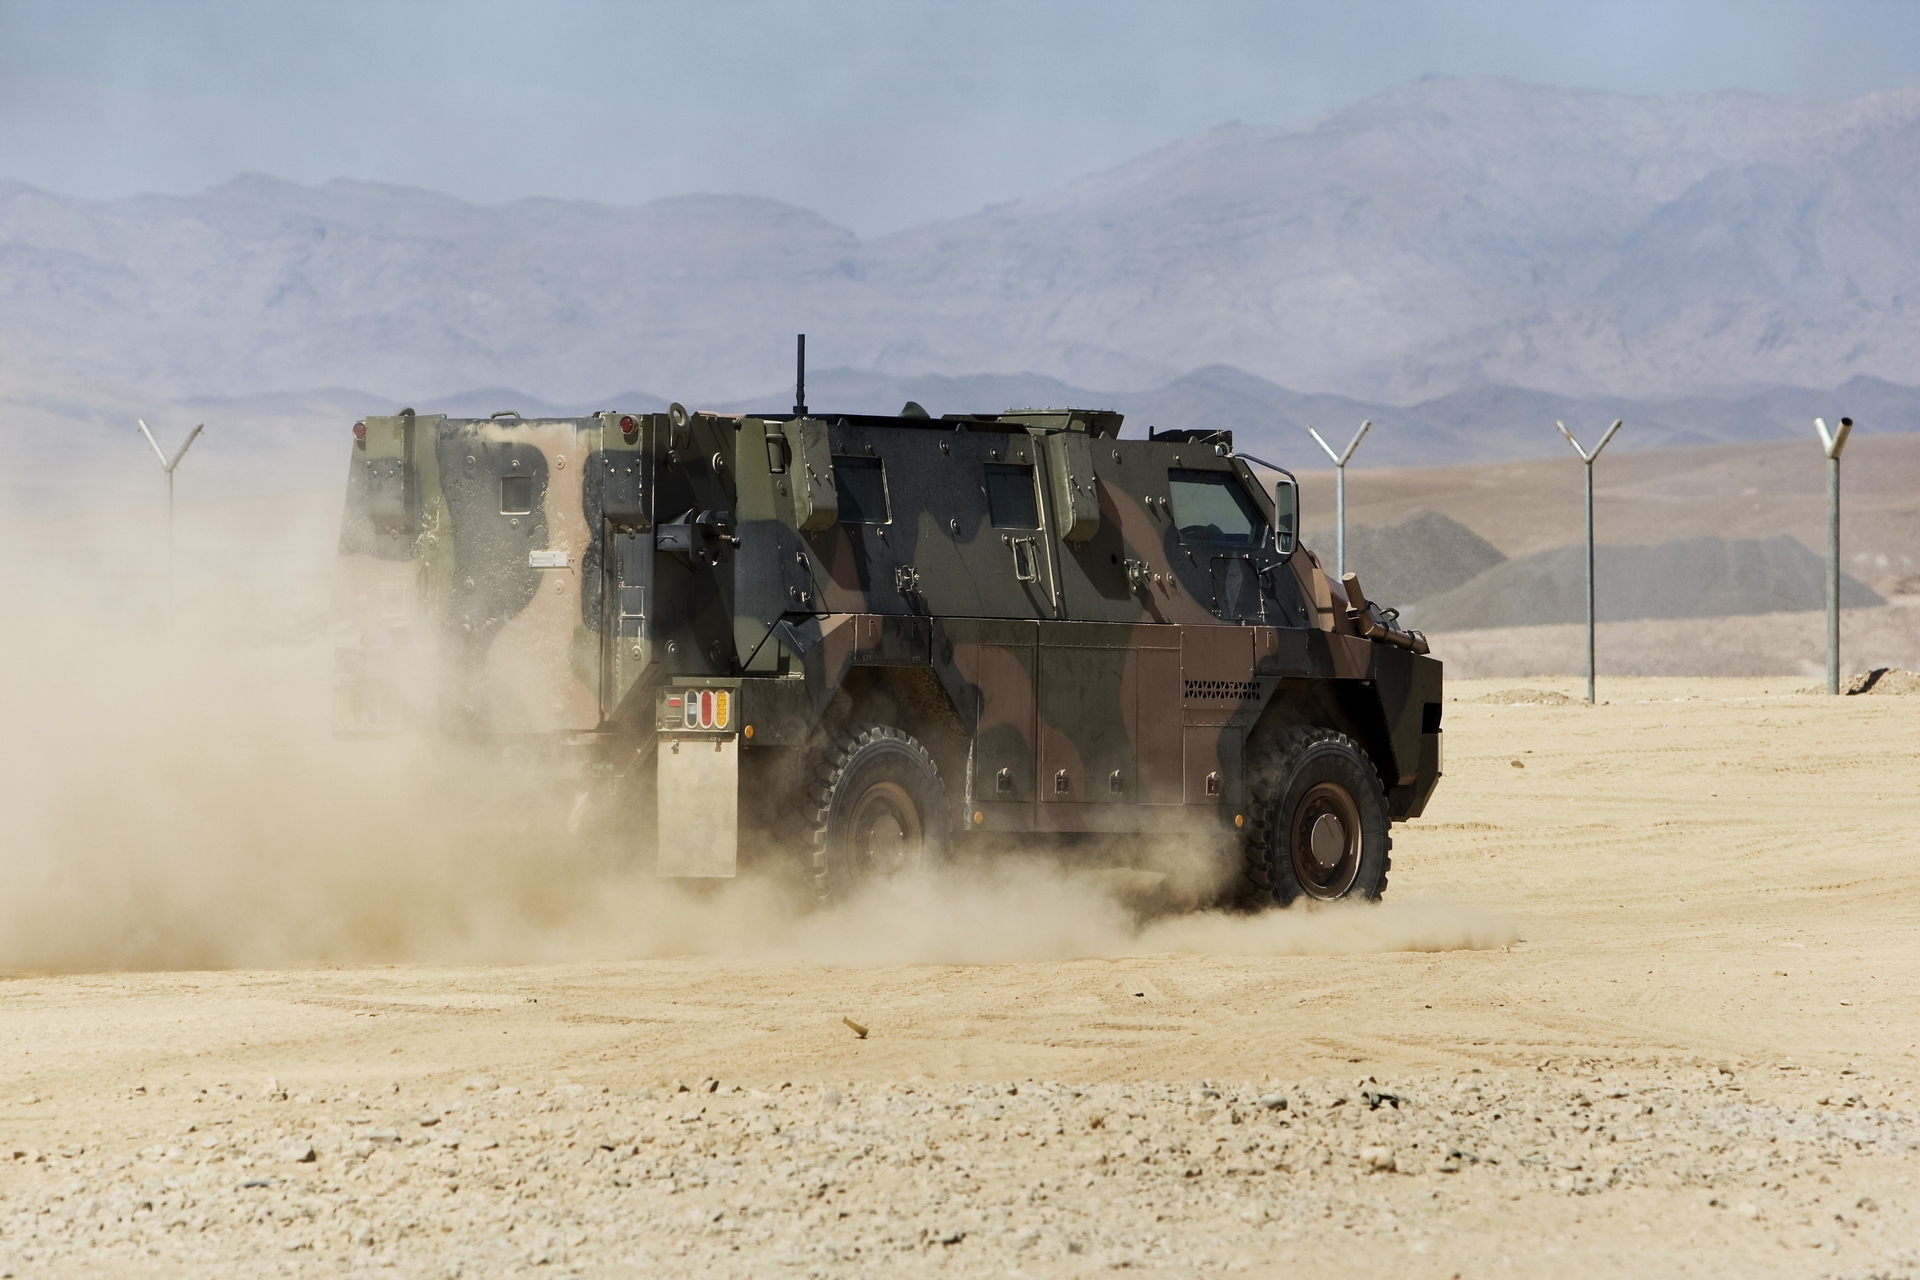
1421,554
1887,680
886,1179
1906,584
1695,578
1527,698
1891,681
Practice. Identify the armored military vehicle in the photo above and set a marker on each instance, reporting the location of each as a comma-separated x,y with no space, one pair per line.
884,637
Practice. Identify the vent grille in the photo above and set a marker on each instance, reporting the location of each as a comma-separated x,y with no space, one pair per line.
1221,690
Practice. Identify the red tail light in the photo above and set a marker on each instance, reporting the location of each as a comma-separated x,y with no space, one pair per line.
629,428
359,431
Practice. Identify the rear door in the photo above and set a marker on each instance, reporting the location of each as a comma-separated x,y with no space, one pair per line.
513,515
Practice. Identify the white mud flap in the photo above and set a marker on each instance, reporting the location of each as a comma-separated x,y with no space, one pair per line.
699,805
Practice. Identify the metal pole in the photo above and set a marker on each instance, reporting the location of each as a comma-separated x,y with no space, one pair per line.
168,465
1833,443
1590,663
1340,492
1833,575
170,548
1340,521
1588,459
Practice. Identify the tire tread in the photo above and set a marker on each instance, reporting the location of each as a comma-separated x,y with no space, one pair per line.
1267,779
835,757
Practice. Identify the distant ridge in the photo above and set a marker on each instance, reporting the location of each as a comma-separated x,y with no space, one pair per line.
1692,578
1438,240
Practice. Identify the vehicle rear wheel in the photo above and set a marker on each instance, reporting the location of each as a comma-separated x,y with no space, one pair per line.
1319,826
876,808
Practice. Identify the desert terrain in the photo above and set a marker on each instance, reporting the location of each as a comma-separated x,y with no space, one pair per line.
1640,998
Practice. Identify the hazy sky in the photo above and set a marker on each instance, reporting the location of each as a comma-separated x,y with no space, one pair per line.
879,115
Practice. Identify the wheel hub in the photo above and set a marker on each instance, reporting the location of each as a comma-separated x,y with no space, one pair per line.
884,835
1328,842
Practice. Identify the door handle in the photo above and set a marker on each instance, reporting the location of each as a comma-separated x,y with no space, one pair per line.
1026,559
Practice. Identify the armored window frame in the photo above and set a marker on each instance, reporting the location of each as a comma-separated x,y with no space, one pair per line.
516,495
1012,500
1209,496
861,485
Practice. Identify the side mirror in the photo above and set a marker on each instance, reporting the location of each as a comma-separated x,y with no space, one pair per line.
1286,514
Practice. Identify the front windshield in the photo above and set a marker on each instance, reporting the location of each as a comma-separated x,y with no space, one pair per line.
1211,507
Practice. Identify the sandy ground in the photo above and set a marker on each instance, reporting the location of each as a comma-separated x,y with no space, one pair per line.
1642,1000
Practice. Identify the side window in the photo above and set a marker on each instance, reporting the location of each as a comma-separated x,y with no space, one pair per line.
862,483
1011,503
516,495
1210,506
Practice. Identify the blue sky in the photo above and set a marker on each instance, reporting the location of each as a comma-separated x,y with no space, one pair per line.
879,115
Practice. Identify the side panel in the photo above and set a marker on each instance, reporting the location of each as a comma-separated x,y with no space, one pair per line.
1088,720
938,551
997,661
1219,697
699,805
1109,694
1156,711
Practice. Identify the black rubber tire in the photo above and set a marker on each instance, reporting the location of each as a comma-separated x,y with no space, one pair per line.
864,778
1309,772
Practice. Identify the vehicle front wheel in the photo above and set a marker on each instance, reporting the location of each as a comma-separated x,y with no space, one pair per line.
876,808
1318,824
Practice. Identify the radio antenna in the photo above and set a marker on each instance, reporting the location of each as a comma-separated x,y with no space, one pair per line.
800,379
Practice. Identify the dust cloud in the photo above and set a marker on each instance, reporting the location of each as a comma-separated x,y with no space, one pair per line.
175,799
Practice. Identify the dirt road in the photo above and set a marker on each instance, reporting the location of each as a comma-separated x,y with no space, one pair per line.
1642,998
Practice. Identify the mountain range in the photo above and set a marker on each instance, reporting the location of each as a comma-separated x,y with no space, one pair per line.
1461,260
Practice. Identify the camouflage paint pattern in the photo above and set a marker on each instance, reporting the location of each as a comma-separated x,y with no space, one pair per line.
1013,589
